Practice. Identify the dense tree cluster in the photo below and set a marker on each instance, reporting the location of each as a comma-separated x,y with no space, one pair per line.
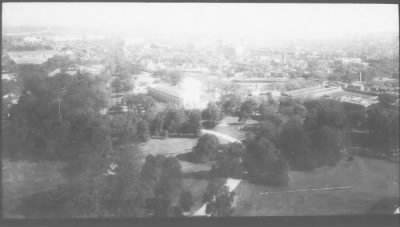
383,126
212,114
163,176
206,148
218,198
229,162
55,115
175,120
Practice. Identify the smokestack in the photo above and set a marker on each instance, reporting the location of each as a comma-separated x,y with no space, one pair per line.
360,77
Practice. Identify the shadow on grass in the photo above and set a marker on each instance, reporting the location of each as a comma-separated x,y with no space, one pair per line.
235,123
384,206
199,175
47,204
188,157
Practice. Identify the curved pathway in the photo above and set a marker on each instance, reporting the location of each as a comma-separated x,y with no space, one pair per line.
221,135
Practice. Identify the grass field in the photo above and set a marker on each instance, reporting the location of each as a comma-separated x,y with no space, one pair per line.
24,178
369,181
170,146
229,126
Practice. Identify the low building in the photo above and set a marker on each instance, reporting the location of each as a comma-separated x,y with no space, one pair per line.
166,93
31,57
58,71
92,69
312,92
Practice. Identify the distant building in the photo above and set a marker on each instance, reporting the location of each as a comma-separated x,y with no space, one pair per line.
166,93
31,57
312,92
92,69
58,71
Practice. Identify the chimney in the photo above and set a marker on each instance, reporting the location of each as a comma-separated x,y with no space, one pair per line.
360,77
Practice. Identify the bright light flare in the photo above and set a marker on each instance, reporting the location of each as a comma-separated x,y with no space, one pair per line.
191,90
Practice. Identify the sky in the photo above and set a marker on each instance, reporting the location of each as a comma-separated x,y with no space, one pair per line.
299,20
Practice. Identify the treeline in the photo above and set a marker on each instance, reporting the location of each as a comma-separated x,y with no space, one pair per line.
55,117
293,135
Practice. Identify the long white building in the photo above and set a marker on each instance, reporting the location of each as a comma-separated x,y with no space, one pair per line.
166,93
31,57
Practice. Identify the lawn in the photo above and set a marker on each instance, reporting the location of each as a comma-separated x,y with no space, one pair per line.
229,126
369,180
170,146
24,178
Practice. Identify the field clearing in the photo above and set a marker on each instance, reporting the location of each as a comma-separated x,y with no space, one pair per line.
369,181
23,178
188,167
169,146
229,125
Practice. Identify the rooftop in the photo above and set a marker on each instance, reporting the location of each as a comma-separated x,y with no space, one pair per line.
31,57
167,89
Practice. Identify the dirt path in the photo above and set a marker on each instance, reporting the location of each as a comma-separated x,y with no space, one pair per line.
221,135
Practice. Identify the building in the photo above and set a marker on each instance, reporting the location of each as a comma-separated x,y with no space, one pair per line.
31,57
58,71
312,92
166,93
92,69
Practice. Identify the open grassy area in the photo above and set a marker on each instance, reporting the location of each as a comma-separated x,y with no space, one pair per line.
22,178
170,146
229,126
369,180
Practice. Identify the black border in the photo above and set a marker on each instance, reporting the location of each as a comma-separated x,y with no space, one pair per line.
306,221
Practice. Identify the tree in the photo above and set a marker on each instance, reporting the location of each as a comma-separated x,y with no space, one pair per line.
247,108
206,148
157,125
230,104
229,163
186,200
55,114
386,99
213,187
296,145
96,193
222,205
124,128
327,143
174,120
269,130
193,123
164,175
325,112
143,130
292,108
265,164
212,114
383,127
144,105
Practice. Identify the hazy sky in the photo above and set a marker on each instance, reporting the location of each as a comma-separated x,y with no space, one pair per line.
300,20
